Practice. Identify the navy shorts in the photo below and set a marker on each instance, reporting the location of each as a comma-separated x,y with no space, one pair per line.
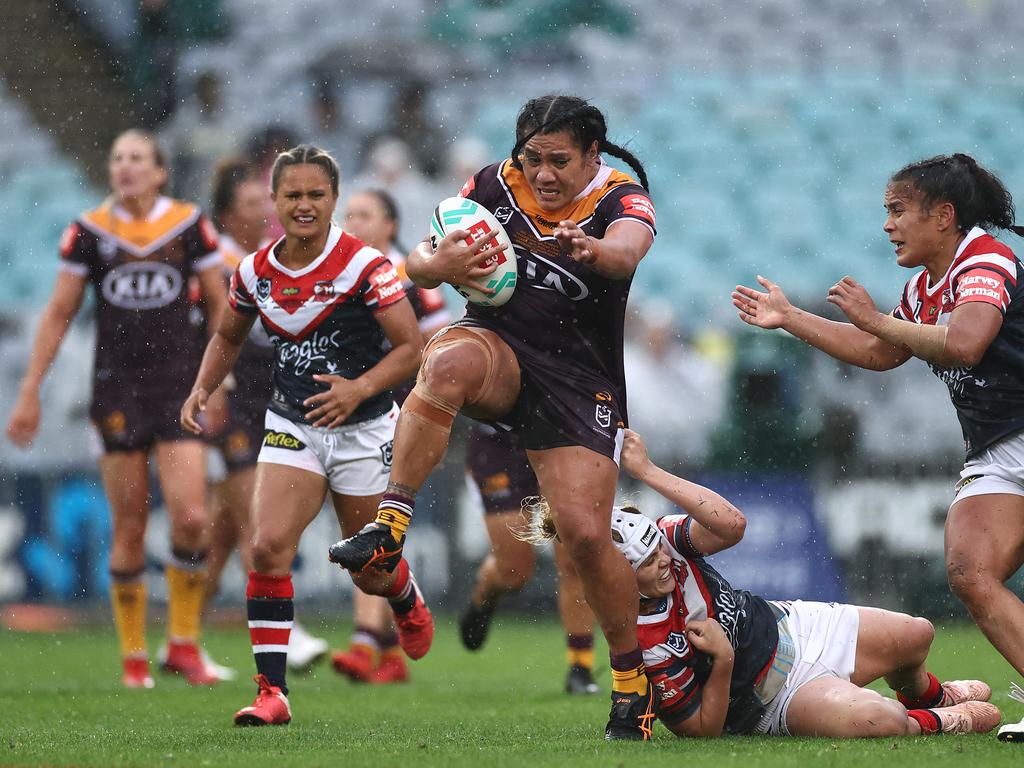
498,465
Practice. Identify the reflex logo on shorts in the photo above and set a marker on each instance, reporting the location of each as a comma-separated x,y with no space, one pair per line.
282,440
142,285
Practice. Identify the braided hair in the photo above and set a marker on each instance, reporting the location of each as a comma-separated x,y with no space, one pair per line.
306,154
976,194
553,113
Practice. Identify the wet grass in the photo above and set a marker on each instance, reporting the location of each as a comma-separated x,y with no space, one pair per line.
62,704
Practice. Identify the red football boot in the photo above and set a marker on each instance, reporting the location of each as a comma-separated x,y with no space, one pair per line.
392,669
136,673
269,708
415,627
184,658
356,663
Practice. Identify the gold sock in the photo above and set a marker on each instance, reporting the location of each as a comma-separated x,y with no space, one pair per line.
631,681
580,657
186,589
397,520
128,600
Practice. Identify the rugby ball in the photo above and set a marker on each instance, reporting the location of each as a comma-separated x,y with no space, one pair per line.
454,213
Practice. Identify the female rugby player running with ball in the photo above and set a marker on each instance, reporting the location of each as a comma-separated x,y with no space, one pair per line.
725,661
963,314
330,305
548,363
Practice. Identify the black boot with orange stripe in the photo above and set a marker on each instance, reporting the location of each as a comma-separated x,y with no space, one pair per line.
632,715
378,544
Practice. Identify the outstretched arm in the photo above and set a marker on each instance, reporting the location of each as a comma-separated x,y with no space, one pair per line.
961,344
843,341
717,525
53,325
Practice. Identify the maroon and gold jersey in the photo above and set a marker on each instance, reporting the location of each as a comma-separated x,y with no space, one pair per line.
140,270
561,310
989,397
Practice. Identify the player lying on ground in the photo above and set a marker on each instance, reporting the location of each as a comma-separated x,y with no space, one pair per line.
725,661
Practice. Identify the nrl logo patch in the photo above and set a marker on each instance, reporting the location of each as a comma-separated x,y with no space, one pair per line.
387,453
263,288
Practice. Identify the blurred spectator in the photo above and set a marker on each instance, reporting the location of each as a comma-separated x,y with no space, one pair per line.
332,128
198,135
154,60
462,159
390,167
264,147
676,395
422,132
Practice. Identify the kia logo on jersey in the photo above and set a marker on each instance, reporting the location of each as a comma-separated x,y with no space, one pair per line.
545,275
142,285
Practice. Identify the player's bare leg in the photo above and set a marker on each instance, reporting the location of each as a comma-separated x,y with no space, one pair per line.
126,482
507,568
463,369
578,621
838,708
181,468
579,485
285,501
370,641
230,527
413,620
984,548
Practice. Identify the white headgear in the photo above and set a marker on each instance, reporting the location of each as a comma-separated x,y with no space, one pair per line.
635,535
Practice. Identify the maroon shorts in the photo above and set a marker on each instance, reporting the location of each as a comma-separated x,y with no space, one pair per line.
134,420
242,437
498,465
562,403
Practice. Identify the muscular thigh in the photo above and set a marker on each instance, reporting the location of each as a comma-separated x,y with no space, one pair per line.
471,368
579,484
181,467
285,501
986,534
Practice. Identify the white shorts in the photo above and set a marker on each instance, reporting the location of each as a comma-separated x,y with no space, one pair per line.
824,643
355,459
999,469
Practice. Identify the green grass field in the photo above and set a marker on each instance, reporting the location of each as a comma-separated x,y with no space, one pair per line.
62,704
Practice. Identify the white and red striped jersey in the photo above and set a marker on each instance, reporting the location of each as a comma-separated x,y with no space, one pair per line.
677,670
320,318
989,397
